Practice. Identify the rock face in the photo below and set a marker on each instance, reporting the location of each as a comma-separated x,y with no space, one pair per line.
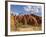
38,18
29,19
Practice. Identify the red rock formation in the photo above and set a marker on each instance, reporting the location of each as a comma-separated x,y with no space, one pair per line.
29,19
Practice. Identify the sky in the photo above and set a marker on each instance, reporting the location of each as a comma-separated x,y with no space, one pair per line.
26,9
